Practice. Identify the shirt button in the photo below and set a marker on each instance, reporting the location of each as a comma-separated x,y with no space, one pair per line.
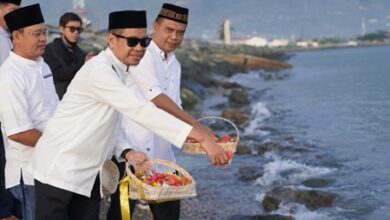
150,90
148,149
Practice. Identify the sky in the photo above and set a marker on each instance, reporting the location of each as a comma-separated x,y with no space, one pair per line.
267,18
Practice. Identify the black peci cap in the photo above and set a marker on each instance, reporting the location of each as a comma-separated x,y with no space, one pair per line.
24,17
16,2
127,19
173,12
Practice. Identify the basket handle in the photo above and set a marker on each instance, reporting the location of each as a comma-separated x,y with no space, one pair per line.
223,119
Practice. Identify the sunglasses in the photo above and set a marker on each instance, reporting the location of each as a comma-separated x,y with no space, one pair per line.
74,29
133,41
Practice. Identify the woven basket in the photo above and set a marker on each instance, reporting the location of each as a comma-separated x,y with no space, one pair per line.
196,148
138,190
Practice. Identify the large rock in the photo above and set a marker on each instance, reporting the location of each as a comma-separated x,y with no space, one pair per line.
236,116
189,99
272,146
243,149
270,203
230,85
312,199
317,182
250,173
273,76
250,62
261,217
238,96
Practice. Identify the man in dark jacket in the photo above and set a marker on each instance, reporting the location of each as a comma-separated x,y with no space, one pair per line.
63,55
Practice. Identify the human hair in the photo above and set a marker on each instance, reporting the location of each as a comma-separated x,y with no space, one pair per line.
69,16
21,30
158,19
3,4
115,31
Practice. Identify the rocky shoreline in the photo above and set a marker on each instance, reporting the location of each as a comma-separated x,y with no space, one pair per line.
206,69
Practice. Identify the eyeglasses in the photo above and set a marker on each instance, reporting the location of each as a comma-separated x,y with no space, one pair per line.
73,29
133,41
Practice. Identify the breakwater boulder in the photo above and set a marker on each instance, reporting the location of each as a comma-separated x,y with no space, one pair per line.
312,199
261,217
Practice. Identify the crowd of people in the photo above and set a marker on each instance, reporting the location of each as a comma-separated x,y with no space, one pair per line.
64,111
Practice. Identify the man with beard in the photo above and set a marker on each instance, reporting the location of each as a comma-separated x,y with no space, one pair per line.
63,55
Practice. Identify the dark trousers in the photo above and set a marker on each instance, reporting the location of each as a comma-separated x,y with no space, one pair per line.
161,211
8,206
54,203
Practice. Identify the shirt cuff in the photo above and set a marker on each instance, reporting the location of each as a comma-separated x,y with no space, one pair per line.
182,135
123,154
152,92
19,129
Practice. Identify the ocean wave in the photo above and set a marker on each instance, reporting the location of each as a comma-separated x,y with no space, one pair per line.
288,171
260,112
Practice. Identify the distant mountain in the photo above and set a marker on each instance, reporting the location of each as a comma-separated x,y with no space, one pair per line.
268,18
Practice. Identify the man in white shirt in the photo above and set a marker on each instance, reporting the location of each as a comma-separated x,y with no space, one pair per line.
85,127
6,6
6,199
157,77
27,101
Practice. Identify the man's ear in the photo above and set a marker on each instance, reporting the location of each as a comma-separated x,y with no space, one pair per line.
16,36
62,29
111,41
155,26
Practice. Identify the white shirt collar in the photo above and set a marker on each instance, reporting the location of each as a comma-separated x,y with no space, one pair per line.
119,66
153,46
38,62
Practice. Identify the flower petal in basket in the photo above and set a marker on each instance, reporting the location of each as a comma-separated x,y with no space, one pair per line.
196,148
139,190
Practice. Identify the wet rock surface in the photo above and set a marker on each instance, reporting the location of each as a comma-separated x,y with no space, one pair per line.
189,99
248,62
312,199
243,149
238,97
318,182
272,146
236,116
262,217
249,173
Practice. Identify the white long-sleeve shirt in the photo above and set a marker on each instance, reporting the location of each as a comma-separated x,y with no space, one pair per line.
6,44
27,101
85,127
155,74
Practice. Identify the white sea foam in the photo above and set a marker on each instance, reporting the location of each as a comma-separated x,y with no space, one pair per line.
288,171
259,197
300,212
259,113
